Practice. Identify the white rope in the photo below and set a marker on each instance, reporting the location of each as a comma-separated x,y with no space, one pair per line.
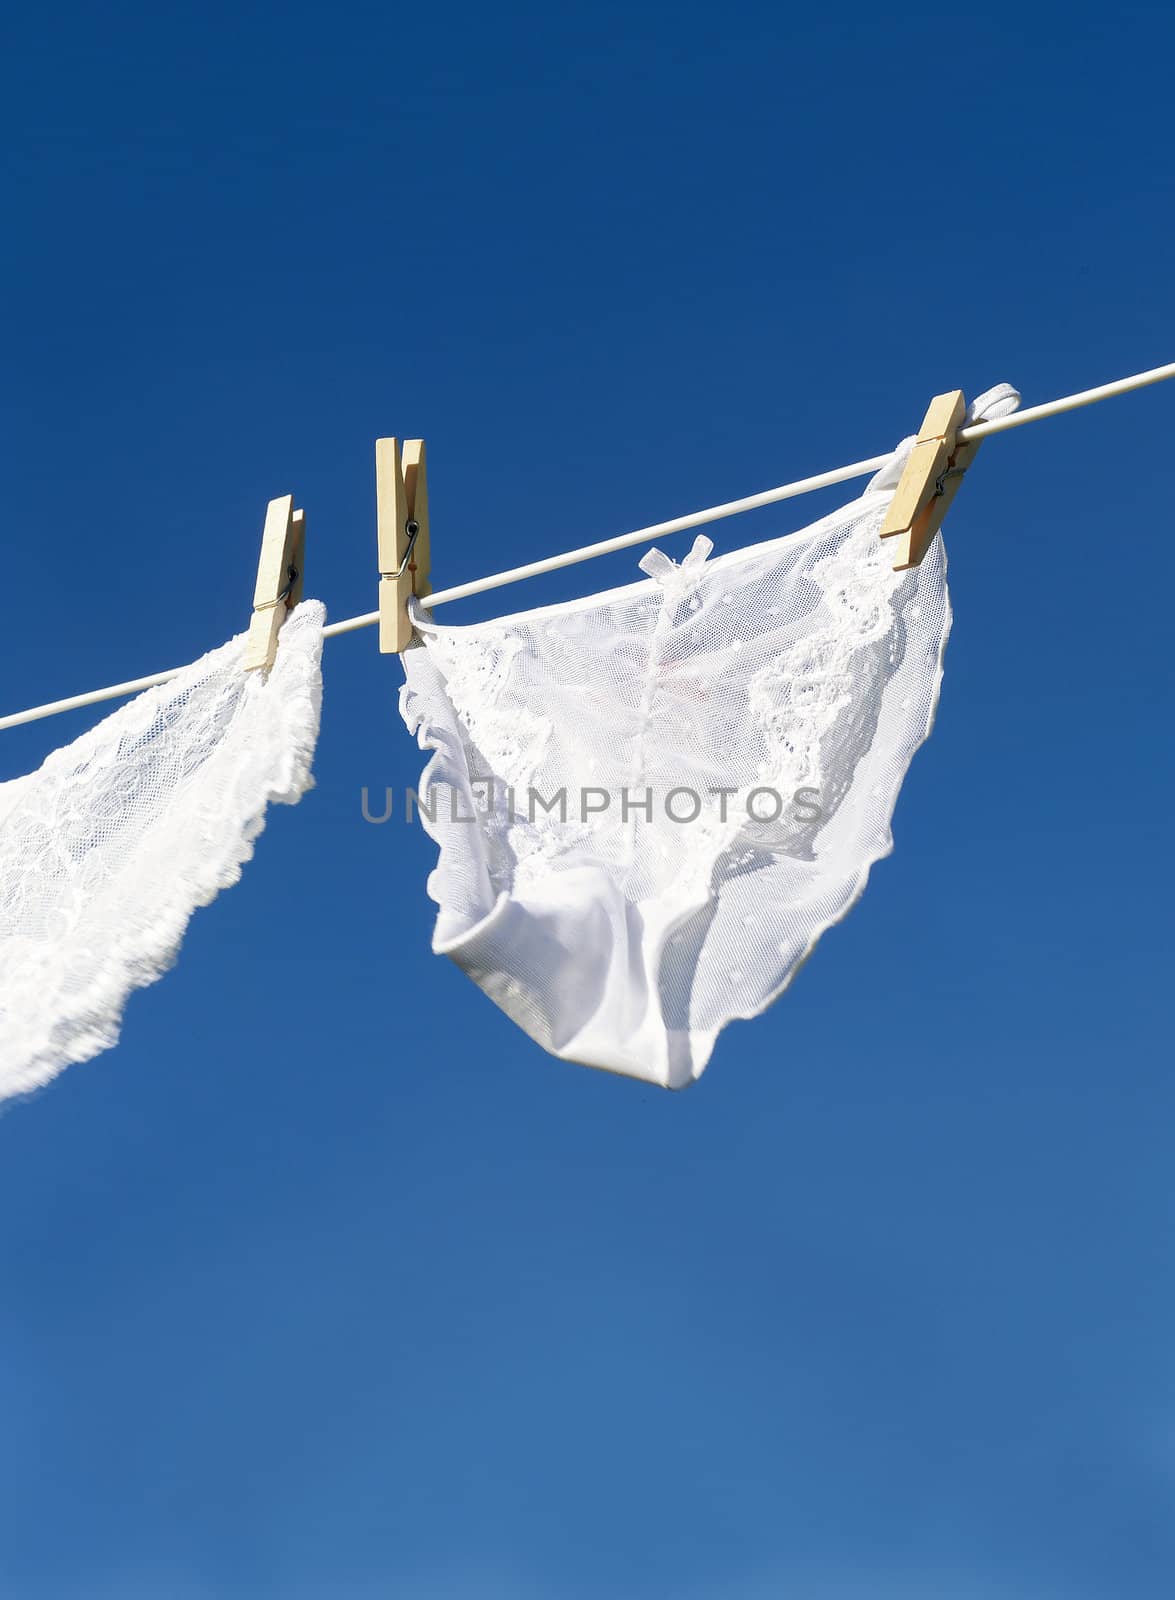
658,530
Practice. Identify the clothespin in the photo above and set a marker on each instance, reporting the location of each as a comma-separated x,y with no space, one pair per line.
401,495
279,579
930,480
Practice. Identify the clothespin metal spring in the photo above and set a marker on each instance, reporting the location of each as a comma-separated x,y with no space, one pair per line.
412,529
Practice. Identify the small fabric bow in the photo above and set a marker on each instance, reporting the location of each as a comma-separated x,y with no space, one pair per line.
665,571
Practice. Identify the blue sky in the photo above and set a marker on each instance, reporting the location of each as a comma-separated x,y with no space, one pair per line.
327,1284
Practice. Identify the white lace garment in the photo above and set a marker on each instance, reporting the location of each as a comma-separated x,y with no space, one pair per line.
107,850
651,803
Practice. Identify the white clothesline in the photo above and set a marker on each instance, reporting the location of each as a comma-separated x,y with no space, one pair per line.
658,530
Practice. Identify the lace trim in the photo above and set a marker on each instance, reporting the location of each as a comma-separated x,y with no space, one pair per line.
477,668
107,850
797,697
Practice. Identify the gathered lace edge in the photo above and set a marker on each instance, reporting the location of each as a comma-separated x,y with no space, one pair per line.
860,880
94,1021
421,717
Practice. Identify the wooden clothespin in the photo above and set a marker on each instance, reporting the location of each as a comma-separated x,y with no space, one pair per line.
401,495
930,480
279,579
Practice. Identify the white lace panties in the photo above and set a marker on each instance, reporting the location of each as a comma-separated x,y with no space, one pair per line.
107,850
650,803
